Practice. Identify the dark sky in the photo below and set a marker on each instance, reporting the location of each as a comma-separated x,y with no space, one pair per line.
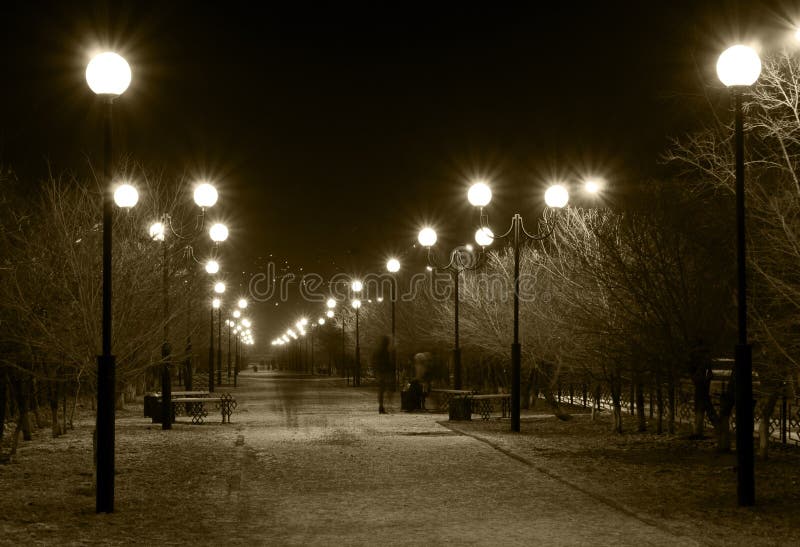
333,132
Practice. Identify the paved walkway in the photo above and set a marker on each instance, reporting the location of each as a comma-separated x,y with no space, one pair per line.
319,465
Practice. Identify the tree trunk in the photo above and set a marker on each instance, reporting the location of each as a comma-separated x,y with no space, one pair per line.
616,396
640,406
767,408
557,410
671,401
660,403
3,401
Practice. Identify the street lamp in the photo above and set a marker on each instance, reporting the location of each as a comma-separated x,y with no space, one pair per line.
218,233
738,68
108,75
461,259
555,197
357,286
242,303
126,196
205,195
212,267
393,266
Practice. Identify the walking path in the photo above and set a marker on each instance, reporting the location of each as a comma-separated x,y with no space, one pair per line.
307,461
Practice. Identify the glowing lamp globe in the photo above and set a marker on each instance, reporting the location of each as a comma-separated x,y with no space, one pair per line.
304,321
212,267
242,303
237,314
427,237
218,233
479,194
556,196
246,323
738,66
484,237
591,186
205,195
357,286
356,304
331,303
216,303
320,321
108,74
157,231
329,313
393,265
219,287
126,196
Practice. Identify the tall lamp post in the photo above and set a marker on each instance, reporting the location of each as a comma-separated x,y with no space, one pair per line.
357,287
393,266
108,76
479,195
205,195
738,68
461,258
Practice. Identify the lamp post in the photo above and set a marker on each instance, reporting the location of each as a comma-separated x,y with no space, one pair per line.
205,196
461,258
356,286
393,266
246,324
738,68
480,195
219,288
108,76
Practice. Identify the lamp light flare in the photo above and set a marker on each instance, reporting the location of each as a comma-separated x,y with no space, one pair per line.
484,237
216,303
738,65
479,194
205,195
219,287
212,266
797,35
592,186
242,303
356,303
393,265
126,196
556,196
108,74
331,303
157,231
427,237
330,314
237,314
357,286
246,323
320,321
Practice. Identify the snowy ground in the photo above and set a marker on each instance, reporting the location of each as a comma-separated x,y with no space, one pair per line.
309,461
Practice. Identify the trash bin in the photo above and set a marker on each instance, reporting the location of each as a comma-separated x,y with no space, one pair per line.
460,409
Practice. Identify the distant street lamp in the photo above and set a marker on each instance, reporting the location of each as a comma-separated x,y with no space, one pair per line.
108,75
738,68
461,259
480,195
219,288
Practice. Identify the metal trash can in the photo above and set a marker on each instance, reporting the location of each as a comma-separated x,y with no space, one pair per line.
460,408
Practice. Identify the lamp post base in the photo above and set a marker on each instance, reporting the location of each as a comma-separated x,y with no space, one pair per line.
106,393
516,366
746,490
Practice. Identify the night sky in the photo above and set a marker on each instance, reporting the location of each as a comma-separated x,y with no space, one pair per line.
334,132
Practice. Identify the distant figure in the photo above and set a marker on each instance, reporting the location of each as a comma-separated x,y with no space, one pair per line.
415,392
382,362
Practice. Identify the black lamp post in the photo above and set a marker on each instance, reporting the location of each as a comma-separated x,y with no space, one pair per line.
480,195
356,286
461,258
738,68
108,75
393,266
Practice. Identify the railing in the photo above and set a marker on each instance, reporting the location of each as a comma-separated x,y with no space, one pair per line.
784,424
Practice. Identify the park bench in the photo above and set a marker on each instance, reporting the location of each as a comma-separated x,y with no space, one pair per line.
484,404
196,404
445,395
